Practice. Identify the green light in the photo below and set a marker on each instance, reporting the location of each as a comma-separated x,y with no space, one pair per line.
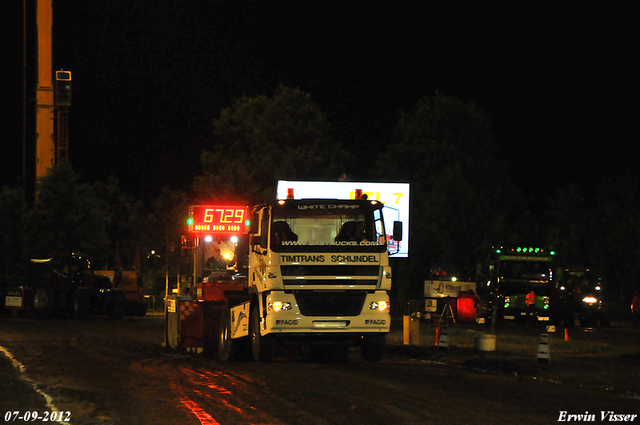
552,252
247,223
190,221
537,249
498,251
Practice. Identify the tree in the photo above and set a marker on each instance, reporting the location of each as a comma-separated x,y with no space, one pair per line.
13,210
166,223
126,225
264,139
569,224
615,236
461,194
67,216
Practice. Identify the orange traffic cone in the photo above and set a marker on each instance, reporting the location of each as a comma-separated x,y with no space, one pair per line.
566,335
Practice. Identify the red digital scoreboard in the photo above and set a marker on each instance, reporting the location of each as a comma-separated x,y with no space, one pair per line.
218,219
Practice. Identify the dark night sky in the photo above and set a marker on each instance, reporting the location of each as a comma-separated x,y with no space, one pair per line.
149,76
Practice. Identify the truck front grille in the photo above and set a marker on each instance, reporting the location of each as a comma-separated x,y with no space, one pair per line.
321,303
330,275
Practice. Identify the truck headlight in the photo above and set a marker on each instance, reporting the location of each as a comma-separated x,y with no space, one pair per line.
590,300
379,305
279,306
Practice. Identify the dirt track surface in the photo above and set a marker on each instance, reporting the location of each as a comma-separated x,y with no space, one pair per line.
106,372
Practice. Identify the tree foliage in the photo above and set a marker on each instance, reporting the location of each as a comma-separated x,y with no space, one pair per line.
615,234
126,226
264,139
602,232
72,216
461,193
570,224
13,225
67,216
167,223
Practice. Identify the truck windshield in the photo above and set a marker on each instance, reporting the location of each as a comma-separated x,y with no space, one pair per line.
521,276
314,229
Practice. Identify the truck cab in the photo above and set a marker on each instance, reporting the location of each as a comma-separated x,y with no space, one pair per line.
579,295
320,273
519,284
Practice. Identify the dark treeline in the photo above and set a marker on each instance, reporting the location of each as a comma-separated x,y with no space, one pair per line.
462,199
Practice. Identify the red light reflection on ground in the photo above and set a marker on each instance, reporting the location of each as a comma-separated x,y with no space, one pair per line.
209,390
202,379
223,401
203,417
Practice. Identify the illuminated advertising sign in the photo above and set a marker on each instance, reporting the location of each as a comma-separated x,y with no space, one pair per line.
394,196
216,219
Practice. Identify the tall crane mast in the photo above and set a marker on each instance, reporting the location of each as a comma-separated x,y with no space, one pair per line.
53,97
45,146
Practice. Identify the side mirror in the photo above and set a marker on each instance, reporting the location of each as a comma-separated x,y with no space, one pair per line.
255,219
256,239
397,230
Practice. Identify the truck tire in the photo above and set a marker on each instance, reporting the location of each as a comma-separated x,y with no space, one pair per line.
172,329
81,304
333,353
373,347
212,320
603,320
43,300
225,343
117,311
338,353
116,307
262,347
140,309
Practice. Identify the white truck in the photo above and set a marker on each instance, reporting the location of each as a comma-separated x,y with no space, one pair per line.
317,272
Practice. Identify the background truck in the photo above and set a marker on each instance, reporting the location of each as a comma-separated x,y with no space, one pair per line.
579,297
63,286
514,273
130,283
311,271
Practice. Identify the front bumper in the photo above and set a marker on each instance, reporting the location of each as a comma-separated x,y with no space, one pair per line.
292,321
518,314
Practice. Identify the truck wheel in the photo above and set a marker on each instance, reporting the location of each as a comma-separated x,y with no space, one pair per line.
172,326
338,353
604,320
43,301
140,309
373,347
81,304
262,347
225,343
116,309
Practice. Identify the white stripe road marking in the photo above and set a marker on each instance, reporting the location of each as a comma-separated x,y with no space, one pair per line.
22,374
